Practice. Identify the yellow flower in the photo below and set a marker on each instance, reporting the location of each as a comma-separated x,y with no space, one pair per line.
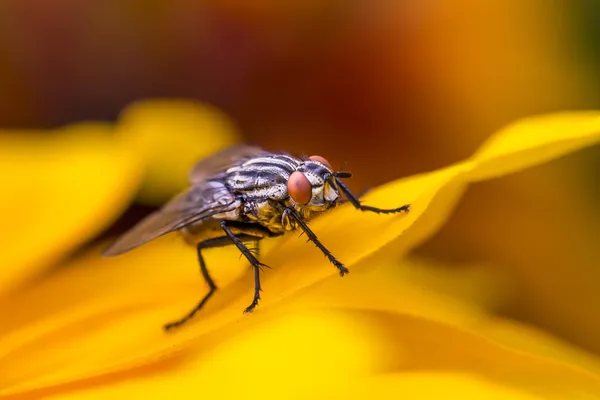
393,328
59,189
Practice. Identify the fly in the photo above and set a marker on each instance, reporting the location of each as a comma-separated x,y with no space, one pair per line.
244,194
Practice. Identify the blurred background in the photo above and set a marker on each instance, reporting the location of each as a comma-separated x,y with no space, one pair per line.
383,88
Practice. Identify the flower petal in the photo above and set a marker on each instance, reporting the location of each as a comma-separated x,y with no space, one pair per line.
434,385
453,296
535,140
57,192
171,135
110,310
119,327
347,353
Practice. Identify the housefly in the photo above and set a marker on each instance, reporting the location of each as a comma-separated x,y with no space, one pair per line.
244,194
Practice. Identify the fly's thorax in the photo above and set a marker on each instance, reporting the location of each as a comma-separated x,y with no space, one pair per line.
263,177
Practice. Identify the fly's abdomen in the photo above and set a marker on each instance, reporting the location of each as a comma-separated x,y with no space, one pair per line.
201,231
264,213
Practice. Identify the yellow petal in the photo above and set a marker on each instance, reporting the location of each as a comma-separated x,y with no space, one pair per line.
118,325
171,135
57,192
118,330
459,296
448,385
346,353
535,140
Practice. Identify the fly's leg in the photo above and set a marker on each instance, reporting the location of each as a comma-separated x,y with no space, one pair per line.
253,261
356,202
361,194
216,242
207,278
313,238
255,249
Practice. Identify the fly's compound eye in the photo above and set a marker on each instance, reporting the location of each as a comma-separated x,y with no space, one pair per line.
299,188
321,160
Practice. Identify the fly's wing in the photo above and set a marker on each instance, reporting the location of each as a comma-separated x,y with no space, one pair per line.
202,201
223,160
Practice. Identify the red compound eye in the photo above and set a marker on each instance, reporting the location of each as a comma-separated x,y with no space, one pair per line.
321,160
299,188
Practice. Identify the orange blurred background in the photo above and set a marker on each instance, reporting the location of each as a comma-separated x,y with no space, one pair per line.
383,88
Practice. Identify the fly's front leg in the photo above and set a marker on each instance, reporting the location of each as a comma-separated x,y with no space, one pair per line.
359,196
313,238
356,202
253,261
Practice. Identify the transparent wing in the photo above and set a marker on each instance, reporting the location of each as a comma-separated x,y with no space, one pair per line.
199,202
223,160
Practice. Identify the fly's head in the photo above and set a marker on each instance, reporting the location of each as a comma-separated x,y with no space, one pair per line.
312,187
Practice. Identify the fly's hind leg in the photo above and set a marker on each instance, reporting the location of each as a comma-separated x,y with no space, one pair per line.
207,278
217,242
249,256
